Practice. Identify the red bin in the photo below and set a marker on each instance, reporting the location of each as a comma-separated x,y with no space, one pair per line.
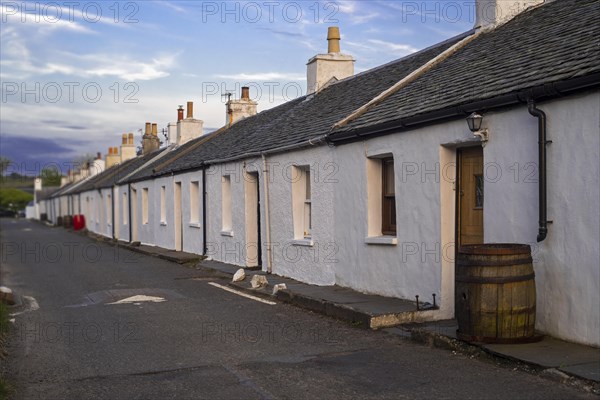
79,222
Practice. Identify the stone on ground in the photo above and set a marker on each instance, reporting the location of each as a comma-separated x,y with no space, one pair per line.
259,281
239,275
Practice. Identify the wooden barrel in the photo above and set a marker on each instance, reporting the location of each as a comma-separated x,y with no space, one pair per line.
59,221
495,293
68,221
43,217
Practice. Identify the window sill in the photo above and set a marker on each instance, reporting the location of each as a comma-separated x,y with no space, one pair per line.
303,242
227,233
383,240
163,223
195,225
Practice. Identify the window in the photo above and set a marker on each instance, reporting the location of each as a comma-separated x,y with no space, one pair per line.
195,202
388,216
226,205
381,200
163,206
302,204
145,206
125,209
307,205
108,209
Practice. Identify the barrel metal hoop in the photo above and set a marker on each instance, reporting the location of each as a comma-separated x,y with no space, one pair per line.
499,263
494,279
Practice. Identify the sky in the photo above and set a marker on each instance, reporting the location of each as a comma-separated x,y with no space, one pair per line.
75,75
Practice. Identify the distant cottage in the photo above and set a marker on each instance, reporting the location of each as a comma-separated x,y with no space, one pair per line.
371,181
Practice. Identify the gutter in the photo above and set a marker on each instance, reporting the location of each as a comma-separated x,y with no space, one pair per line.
129,211
204,194
545,91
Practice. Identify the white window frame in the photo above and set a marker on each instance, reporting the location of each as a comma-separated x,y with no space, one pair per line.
226,206
163,205
195,203
302,189
145,196
374,170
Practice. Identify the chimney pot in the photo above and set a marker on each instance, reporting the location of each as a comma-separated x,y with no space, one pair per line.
124,139
98,156
333,39
148,130
190,109
110,151
179,113
130,138
245,93
154,129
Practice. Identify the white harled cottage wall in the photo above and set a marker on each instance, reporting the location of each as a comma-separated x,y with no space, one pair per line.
231,246
163,230
192,231
566,263
421,263
316,263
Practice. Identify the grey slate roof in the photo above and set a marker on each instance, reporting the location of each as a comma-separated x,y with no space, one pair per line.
551,43
298,120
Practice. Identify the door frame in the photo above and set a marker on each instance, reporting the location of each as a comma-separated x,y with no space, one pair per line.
178,216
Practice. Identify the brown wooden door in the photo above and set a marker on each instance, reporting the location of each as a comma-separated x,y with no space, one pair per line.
470,196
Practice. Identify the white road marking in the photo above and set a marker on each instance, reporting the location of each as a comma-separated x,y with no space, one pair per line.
27,229
139,298
32,305
249,296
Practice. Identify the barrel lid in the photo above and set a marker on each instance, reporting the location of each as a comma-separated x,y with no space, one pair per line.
495,248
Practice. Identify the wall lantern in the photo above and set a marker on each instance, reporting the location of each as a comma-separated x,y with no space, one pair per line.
475,121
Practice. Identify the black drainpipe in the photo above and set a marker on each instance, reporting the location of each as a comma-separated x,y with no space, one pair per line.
204,246
542,142
112,207
129,212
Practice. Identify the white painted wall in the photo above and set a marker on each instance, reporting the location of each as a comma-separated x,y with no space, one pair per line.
566,263
298,259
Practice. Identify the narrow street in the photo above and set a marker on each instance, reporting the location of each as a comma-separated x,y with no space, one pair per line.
177,336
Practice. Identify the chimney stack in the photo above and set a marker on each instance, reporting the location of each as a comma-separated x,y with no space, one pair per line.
150,140
127,148
324,69
188,128
236,110
179,113
112,157
490,12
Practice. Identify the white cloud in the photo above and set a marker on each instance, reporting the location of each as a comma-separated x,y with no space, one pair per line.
264,76
396,48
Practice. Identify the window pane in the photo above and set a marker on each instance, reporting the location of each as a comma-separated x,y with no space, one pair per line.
478,191
388,177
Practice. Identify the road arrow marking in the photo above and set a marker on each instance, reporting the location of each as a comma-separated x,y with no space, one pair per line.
139,299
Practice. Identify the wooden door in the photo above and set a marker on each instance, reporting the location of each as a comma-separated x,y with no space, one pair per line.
470,196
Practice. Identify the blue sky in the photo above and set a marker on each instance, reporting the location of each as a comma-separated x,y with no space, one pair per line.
76,75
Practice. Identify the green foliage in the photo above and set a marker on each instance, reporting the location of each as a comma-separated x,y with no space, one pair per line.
14,199
50,176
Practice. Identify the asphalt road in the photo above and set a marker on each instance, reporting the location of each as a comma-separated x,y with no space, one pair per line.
202,342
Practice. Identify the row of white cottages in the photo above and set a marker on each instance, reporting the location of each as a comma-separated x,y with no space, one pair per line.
372,180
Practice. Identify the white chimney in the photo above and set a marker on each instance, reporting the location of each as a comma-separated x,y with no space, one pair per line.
489,12
324,69
37,184
188,128
97,166
240,109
